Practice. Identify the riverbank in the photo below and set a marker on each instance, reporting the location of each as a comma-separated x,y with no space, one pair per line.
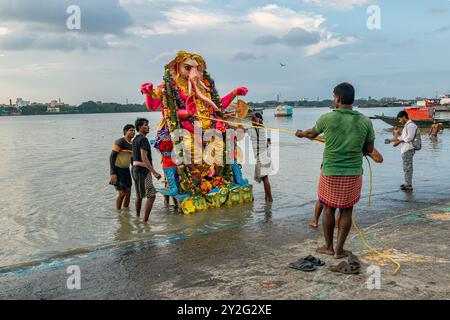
251,263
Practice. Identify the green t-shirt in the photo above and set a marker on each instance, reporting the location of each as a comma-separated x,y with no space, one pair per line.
346,132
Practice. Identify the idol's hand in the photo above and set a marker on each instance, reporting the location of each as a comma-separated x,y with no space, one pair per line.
147,88
242,91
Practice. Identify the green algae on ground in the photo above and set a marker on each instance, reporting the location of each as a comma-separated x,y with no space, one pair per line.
410,218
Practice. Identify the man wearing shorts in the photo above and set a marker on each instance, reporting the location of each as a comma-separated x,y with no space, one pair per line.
143,170
120,161
349,135
263,166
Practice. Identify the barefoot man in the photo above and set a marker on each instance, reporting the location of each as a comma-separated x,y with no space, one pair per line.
120,161
143,170
375,156
349,135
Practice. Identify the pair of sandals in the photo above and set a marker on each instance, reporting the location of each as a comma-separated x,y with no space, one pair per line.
307,264
405,187
352,266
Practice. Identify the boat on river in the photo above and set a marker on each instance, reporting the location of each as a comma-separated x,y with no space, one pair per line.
422,117
284,111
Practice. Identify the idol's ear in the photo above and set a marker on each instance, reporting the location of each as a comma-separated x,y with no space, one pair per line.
173,68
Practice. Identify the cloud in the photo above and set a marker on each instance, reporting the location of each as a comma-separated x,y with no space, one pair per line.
4,31
17,41
244,56
170,2
276,18
268,18
306,30
164,56
328,43
438,10
296,37
340,5
439,30
328,57
181,20
270,24
41,25
98,17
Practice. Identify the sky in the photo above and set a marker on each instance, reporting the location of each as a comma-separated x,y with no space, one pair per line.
123,43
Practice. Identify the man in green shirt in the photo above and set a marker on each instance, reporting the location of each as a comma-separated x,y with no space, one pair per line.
348,136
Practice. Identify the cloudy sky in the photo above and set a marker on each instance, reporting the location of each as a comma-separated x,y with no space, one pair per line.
123,43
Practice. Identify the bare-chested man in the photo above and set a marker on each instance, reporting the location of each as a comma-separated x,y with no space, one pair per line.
436,128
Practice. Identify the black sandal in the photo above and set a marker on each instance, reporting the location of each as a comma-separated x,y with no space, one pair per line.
315,261
302,265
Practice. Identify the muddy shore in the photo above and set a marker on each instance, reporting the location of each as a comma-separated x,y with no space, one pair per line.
250,262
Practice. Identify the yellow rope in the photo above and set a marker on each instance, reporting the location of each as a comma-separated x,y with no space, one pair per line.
360,233
385,256
236,124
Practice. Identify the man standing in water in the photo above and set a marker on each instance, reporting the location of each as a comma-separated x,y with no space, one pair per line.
120,161
349,135
263,166
409,133
143,169
436,128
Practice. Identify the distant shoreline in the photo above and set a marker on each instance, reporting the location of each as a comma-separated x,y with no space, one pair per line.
92,107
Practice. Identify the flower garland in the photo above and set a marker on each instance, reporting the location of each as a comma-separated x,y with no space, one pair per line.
170,94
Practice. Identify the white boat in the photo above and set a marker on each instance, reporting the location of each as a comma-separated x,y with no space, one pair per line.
284,111
445,100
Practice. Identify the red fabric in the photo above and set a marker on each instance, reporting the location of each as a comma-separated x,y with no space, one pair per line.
166,145
340,192
167,162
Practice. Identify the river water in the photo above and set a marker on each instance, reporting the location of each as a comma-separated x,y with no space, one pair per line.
55,198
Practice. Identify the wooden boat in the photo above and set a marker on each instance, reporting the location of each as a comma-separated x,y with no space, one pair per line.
420,123
422,117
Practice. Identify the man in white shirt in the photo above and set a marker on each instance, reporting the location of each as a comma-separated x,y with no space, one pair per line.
406,147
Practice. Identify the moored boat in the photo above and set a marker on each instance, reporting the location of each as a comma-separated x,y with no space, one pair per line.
420,123
445,100
427,103
423,117
284,111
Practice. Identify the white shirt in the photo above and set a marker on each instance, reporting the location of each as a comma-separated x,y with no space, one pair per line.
408,135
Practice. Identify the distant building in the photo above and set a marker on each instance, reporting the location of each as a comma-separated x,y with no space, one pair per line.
20,103
54,106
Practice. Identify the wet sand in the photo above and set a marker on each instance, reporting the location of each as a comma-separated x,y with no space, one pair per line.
250,262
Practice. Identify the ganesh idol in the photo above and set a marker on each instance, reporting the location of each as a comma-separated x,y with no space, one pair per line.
188,97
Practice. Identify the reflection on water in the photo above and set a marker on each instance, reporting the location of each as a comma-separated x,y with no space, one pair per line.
55,194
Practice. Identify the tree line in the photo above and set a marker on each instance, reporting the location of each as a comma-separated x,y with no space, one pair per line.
85,107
